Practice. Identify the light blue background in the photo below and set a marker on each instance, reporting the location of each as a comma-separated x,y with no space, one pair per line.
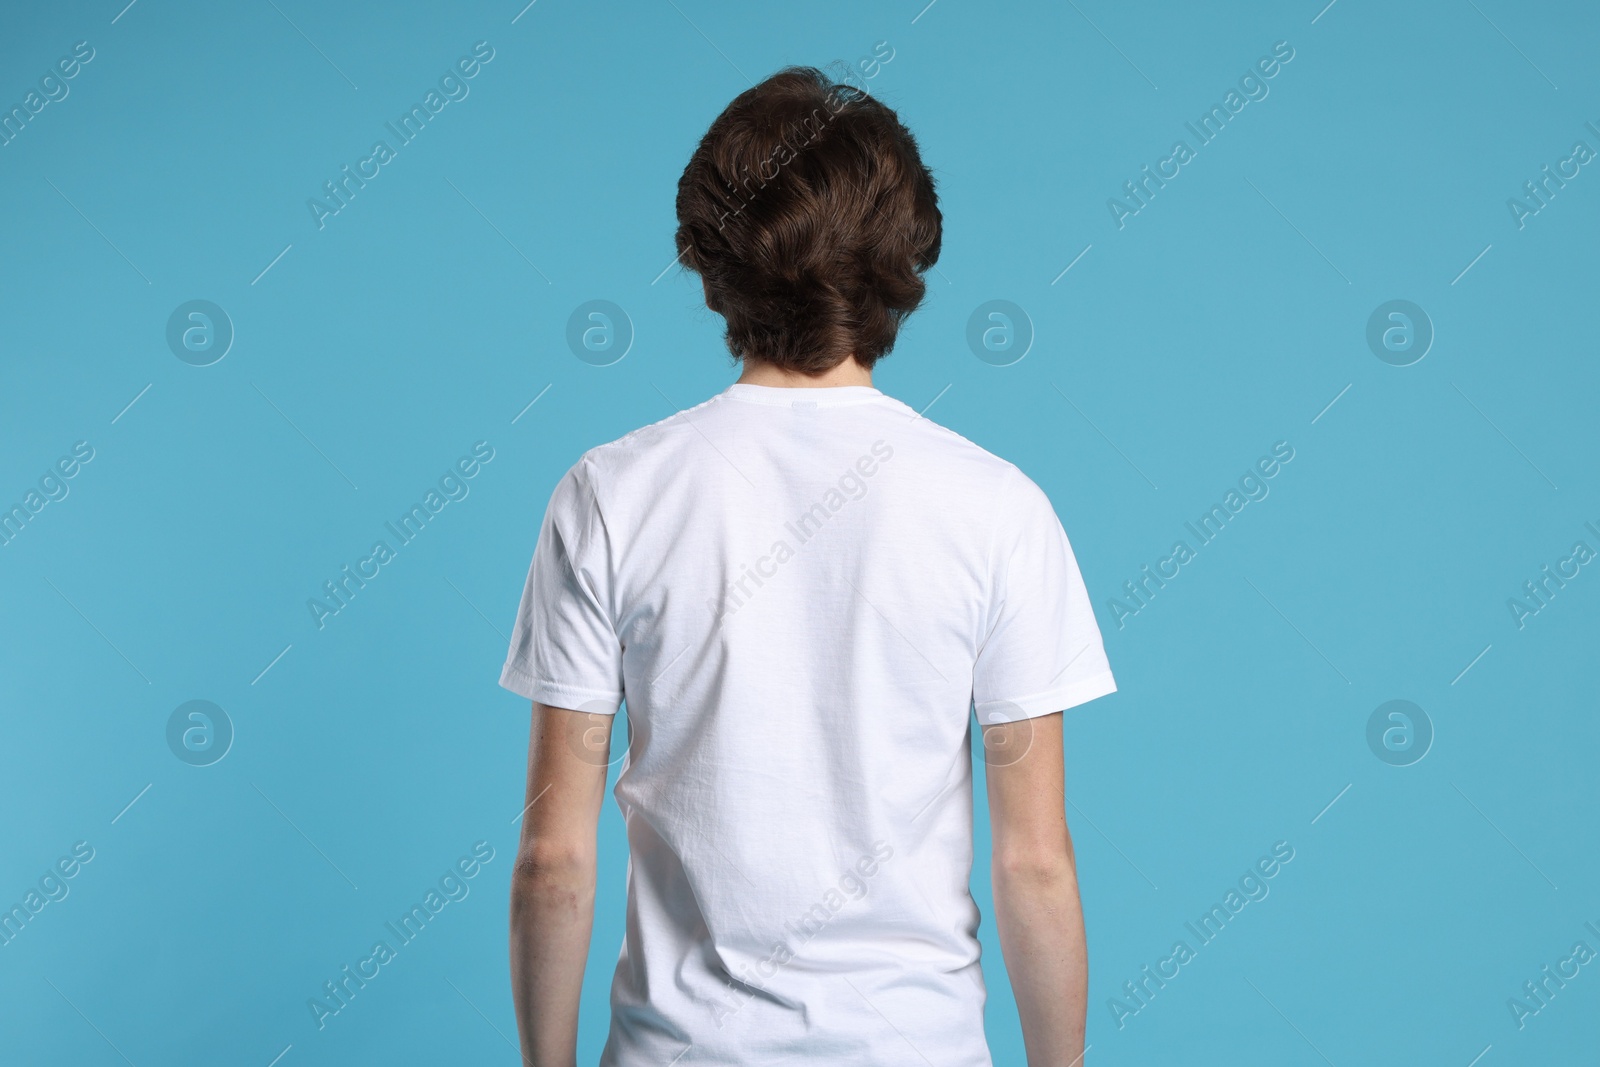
426,316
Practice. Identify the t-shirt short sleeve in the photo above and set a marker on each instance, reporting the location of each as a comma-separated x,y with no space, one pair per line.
564,648
1042,652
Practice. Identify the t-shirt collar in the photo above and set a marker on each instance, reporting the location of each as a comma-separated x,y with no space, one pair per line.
805,396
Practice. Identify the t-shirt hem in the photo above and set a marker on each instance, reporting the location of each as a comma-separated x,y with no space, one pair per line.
1047,703
559,695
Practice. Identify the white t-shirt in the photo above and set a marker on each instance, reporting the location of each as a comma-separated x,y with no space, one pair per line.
803,594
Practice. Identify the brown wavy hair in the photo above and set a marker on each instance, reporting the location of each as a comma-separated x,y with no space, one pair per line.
810,217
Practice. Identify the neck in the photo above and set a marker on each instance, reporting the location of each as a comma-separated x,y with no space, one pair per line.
847,373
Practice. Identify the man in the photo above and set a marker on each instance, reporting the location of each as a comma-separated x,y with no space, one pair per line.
801,587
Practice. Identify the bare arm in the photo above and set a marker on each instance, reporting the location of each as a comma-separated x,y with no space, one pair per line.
1035,876
552,887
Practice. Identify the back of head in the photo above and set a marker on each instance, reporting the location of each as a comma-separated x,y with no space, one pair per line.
808,214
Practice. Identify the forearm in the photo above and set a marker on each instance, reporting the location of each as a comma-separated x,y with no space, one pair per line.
552,914
1040,921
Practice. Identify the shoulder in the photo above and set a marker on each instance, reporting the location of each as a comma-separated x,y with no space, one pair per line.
997,480
1011,503
604,464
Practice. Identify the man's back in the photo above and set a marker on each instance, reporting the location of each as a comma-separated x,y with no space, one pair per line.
801,592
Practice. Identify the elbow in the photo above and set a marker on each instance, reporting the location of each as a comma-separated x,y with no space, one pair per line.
1044,866
554,863
551,880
